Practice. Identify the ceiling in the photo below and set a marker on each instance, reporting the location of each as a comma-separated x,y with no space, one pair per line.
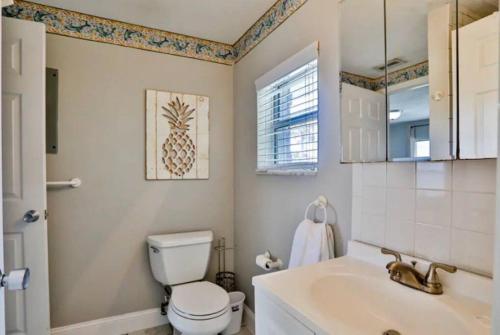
362,31
413,102
481,7
217,20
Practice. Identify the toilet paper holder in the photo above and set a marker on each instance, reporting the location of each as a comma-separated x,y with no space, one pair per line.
268,262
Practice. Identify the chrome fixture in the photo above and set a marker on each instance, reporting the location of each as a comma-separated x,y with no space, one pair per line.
75,182
407,275
31,216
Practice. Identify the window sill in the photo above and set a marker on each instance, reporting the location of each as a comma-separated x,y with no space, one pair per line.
287,172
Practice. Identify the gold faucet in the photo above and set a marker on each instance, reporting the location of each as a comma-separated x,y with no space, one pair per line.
407,275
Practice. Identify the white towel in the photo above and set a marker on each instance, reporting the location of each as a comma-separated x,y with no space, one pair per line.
312,243
331,240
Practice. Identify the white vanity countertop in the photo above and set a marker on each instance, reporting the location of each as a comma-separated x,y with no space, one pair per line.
348,295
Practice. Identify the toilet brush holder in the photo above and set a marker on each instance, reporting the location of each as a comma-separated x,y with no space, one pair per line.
223,278
226,280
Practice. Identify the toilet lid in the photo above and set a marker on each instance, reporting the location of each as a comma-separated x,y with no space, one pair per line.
199,298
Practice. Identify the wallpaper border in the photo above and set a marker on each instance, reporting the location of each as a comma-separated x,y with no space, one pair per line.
399,76
93,28
264,26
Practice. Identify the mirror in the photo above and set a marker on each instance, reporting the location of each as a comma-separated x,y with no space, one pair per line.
410,118
419,89
477,77
363,98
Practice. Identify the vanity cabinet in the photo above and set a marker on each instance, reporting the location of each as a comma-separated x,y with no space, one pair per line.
271,319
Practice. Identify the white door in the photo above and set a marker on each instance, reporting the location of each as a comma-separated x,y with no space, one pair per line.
23,170
363,125
478,95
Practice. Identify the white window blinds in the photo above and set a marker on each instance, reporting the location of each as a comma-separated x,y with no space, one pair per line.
287,115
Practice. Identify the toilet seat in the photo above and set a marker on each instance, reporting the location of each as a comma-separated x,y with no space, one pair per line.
199,308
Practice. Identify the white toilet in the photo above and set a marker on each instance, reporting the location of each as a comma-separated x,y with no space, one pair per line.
180,261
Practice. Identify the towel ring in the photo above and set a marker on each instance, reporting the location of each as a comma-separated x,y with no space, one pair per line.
320,202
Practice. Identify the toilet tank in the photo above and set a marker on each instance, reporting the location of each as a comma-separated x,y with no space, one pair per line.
180,258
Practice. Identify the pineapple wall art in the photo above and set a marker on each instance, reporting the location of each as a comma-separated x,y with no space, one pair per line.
177,136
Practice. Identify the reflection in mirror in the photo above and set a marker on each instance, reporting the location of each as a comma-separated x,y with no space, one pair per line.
363,99
409,123
477,78
419,83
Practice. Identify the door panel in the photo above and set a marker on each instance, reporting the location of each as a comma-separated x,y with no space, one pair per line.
16,300
11,148
24,182
478,71
363,125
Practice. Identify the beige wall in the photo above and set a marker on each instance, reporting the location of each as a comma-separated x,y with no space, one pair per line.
97,252
268,208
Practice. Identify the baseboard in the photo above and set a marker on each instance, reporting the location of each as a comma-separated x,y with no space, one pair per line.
249,318
115,325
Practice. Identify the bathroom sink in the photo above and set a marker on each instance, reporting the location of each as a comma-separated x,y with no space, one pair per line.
352,295
371,305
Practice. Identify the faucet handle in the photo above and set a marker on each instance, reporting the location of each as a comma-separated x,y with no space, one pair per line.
396,254
432,277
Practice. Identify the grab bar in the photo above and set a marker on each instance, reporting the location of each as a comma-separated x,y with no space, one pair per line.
75,182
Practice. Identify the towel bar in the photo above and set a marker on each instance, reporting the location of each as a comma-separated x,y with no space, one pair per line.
75,182
320,202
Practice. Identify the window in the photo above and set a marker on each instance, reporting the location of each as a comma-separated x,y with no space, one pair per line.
422,149
287,121
420,143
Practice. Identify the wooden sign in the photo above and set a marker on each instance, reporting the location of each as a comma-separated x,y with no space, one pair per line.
177,136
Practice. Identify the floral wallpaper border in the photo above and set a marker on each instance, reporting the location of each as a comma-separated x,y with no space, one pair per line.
360,81
396,77
73,24
271,20
69,23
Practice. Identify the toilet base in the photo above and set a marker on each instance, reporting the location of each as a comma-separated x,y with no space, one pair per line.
177,332
184,326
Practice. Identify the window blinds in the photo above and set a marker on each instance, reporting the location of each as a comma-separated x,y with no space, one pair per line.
287,115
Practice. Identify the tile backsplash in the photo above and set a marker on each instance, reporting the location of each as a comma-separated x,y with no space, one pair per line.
442,211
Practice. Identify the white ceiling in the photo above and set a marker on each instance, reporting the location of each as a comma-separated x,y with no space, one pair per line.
217,20
362,34
413,102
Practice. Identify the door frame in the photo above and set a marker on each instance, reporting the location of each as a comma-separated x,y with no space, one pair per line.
496,265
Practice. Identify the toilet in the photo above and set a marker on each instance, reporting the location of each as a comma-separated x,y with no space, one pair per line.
180,261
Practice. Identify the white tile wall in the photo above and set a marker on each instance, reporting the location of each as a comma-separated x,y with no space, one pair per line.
433,207
434,175
442,211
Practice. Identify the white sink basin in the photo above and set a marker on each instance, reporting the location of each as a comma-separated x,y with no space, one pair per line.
354,296
370,305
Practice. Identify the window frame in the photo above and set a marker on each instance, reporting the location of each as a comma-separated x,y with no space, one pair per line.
275,155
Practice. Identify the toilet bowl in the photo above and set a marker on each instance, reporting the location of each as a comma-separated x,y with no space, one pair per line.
180,261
